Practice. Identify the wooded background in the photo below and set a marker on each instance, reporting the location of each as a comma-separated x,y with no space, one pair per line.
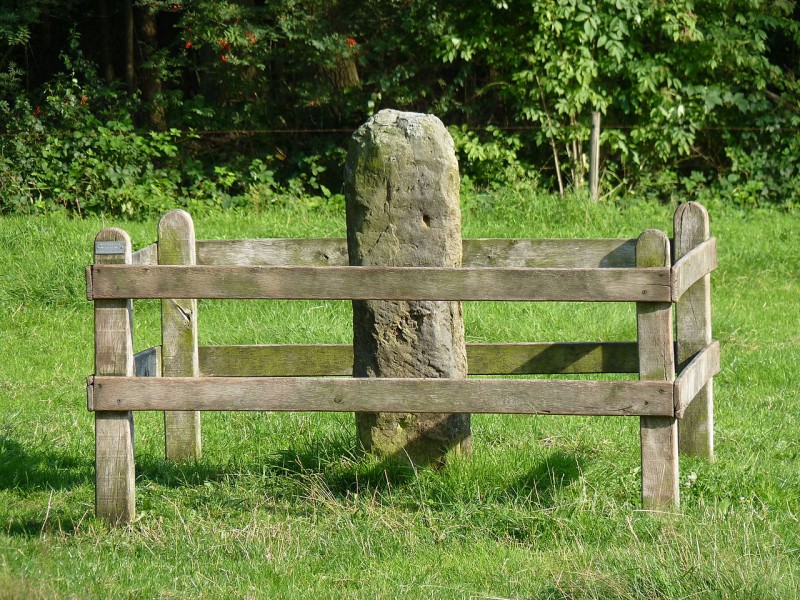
134,107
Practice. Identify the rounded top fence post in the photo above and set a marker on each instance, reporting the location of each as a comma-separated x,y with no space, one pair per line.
113,343
691,227
659,435
176,239
112,246
693,332
179,347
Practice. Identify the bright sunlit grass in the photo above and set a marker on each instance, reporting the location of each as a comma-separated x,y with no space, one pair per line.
281,506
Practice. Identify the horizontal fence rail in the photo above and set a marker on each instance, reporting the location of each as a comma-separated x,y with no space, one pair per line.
695,375
315,360
146,256
571,254
501,396
379,283
478,252
562,253
693,267
147,363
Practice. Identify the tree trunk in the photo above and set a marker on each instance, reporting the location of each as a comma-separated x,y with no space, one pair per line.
344,74
107,60
150,82
578,167
128,45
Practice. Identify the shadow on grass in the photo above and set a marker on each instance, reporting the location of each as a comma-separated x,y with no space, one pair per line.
542,485
334,463
29,475
341,470
330,464
175,475
57,522
34,470
353,472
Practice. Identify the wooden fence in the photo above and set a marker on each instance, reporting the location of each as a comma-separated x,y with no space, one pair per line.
180,378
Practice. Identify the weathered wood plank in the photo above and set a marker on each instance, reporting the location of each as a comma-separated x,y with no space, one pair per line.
693,327
479,252
147,363
179,357
550,358
695,376
382,283
284,360
146,256
693,266
310,252
113,356
549,253
534,396
115,479
659,435
90,394
315,360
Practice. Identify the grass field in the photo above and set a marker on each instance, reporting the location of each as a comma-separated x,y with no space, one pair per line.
280,506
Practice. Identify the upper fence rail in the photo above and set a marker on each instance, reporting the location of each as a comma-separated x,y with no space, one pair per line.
695,265
568,270
478,252
105,282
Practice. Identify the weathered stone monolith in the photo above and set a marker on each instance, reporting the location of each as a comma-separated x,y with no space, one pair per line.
402,196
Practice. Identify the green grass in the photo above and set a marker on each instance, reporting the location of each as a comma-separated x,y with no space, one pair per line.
281,507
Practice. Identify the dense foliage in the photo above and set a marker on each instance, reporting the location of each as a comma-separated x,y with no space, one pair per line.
137,105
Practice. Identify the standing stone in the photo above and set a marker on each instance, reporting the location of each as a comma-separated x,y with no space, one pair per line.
402,197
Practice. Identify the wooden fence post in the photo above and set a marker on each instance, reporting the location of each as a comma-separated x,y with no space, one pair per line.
594,158
659,435
179,355
693,316
113,355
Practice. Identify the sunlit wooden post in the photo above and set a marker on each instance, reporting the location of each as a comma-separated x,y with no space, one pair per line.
693,316
113,355
594,158
659,435
179,354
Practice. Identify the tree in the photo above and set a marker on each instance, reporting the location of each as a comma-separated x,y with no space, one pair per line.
696,94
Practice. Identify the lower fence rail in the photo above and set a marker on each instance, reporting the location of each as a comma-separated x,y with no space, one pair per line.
315,360
500,396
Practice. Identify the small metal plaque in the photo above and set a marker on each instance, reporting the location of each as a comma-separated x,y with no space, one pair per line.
109,247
